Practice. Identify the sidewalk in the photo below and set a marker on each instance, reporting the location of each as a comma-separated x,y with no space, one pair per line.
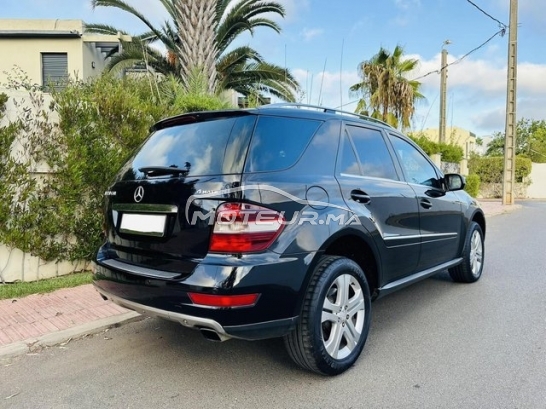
42,320
493,207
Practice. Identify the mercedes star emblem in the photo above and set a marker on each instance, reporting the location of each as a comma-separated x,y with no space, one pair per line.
139,194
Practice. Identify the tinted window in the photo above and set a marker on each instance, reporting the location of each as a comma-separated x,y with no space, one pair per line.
418,169
375,159
320,154
348,163
279,142
204,148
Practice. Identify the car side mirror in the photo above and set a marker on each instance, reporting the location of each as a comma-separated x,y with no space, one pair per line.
454,182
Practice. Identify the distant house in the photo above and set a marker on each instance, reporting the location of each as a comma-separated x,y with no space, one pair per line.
50,50
458,136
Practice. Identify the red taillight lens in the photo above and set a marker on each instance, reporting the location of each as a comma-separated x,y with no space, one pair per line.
209,300
242,228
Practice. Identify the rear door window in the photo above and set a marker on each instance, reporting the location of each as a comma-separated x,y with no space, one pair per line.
212,147
375,159
279,142
348,163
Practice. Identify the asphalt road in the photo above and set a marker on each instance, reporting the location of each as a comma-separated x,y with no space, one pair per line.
436,344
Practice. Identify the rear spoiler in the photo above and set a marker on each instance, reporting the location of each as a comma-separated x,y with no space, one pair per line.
192,117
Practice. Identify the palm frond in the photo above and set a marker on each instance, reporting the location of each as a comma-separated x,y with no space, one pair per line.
122,5
103,29
241,18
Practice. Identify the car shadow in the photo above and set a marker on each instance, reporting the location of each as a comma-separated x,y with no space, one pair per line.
238,357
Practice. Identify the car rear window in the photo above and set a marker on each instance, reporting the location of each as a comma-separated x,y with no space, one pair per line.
212,147
278,142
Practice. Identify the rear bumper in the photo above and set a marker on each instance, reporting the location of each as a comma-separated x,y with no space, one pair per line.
280,283
251,332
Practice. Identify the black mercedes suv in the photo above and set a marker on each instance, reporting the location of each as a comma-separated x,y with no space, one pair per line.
282,221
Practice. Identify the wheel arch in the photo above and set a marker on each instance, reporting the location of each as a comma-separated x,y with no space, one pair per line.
357,246
479,218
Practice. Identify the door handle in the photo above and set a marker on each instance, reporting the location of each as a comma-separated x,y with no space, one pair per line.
425,203
360,197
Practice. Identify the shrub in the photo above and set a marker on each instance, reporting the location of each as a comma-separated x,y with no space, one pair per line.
203,102
472,186
3,102
450,152
490,168
425,144
100,124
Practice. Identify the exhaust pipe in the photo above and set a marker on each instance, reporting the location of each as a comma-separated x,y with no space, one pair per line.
212,335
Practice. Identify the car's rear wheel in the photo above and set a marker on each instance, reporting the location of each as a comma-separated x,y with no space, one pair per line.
335,318
470,270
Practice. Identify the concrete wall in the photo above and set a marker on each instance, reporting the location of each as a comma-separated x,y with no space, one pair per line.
26,53
93,61
494,190
537,188
42,24
18,266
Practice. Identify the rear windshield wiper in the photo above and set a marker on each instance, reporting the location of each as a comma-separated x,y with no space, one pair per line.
162,170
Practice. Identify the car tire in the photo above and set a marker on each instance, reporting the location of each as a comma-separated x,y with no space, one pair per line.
335,318
470,270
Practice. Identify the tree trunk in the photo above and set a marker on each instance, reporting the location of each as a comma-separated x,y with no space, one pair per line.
197,49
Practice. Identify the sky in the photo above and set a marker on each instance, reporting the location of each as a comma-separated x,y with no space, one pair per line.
323,41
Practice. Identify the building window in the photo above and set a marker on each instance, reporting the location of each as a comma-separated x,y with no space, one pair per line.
54,70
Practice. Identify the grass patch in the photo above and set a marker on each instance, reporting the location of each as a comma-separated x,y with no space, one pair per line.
18,290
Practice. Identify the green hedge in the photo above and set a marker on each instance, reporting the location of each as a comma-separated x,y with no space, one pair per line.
490,168
472,186
450,152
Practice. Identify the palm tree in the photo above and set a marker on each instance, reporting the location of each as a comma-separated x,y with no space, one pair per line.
198,35
385,89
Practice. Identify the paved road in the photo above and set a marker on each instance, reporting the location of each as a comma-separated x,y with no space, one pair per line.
436,344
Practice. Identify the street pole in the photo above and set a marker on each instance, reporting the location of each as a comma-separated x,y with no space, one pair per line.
443,94
509,174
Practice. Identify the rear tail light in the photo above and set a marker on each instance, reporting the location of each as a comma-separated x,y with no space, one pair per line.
210,300
243,228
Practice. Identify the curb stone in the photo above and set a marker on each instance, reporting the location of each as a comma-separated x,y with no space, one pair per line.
58,337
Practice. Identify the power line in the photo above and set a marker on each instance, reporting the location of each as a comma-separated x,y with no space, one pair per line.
501,32
501,24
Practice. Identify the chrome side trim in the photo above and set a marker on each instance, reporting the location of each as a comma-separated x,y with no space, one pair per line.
405,281
349,175
420,236
186,320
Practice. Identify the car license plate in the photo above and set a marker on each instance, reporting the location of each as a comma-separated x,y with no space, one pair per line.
145,224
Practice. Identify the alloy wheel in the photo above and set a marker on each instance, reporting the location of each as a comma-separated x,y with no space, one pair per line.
476,253
343,315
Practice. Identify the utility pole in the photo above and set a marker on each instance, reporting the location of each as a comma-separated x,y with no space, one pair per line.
509,174
443,93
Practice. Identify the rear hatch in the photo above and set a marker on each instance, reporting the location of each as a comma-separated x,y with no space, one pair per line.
159,211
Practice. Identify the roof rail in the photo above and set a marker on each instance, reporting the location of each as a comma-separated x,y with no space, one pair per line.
324,109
